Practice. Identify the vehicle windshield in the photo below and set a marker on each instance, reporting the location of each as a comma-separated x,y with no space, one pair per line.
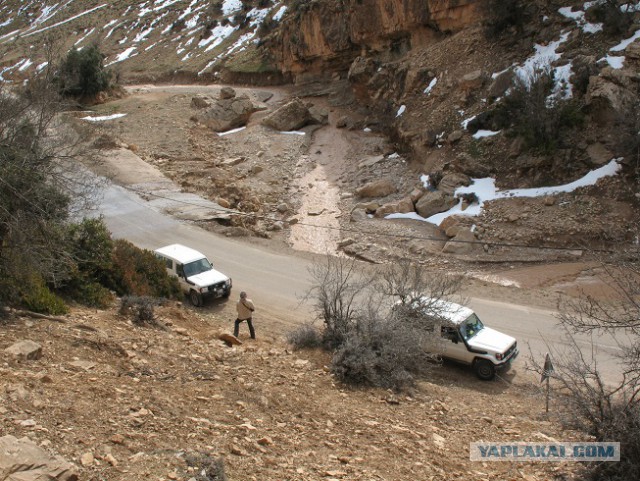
197,267
471,326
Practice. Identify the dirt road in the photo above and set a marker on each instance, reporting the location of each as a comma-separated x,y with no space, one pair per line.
277,279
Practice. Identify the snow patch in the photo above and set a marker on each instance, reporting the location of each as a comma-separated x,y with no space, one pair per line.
102,118
480,134
485,190
432,84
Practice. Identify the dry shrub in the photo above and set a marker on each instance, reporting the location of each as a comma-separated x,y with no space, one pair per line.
140,309
386,353
382,325
207,468
304,337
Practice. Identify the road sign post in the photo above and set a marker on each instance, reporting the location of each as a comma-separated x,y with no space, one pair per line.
546,376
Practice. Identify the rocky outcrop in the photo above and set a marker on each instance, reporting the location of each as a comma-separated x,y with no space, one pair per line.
326,35
611,94
403,206
23,460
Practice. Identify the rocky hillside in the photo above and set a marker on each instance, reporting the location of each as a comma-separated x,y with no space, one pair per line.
530,94
120,401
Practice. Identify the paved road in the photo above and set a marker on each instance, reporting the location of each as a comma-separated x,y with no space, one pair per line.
276,281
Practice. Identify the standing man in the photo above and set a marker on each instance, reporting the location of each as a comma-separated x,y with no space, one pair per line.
245,310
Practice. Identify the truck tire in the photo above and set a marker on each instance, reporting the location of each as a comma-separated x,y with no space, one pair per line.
484,369
195,298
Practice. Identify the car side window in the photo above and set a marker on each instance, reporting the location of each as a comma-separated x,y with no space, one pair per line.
180,270
168,263
450,333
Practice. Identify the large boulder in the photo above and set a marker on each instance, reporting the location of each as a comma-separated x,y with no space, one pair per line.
291,116
610,94
28,350
501,83
23,460
319,115
472,81
403,206
451,182
377,188
432,203
227,93
228,113
464,242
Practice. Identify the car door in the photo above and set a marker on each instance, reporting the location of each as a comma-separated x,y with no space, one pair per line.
455,348
179,272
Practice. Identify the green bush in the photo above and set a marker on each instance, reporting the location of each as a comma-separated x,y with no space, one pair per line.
82,73
139,272
91,249
503,15
93,294
102,265
37,297
532,112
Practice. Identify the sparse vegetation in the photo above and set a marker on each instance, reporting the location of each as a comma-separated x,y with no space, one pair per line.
140,309
533,111
607,411
383,327
207,468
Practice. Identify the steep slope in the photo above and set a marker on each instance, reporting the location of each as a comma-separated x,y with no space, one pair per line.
127,402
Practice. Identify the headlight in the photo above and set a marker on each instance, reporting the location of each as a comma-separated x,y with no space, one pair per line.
499,356
202,289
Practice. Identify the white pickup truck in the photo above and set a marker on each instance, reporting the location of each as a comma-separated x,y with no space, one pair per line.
467,340
195,273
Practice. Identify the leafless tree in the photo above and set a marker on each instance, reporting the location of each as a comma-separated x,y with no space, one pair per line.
338,290
608,410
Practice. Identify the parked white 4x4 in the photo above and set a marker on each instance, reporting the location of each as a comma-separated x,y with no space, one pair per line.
467,340
195,273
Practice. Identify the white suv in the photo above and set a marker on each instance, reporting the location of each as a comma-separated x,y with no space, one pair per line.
195,273
467,340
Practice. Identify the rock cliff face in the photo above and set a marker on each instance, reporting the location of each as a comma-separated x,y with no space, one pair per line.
327,35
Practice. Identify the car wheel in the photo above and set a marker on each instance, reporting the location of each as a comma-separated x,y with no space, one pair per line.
195,298
485,370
